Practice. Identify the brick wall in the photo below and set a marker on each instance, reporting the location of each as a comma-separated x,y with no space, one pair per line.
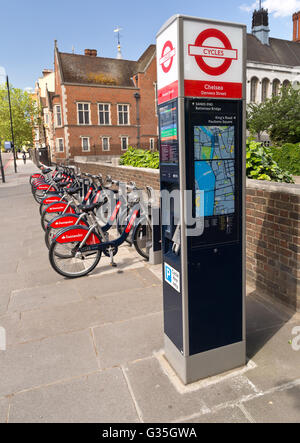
272,230
141,176
273,240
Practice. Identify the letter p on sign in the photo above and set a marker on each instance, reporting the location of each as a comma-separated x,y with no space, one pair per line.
2,339
168,274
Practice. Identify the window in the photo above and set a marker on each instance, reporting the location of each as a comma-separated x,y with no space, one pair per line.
264,89
36,134
123,114
59,145
276,87
85,143
46,117
83,113
124,143
58,120
105,143
254,85
104,113
151,143
286,84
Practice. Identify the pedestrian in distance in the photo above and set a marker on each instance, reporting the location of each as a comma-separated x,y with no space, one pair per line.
24,157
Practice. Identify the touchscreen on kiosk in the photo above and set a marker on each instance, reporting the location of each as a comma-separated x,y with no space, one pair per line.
168,134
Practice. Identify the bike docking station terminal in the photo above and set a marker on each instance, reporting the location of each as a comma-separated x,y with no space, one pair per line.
201,69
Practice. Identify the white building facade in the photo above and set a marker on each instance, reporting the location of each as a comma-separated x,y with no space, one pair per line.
271,63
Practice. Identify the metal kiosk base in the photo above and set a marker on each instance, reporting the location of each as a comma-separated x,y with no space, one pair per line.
206,364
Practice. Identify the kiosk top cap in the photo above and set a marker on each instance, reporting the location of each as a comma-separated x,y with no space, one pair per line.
189,17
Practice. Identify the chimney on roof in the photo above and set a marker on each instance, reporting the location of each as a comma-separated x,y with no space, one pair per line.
91,52
260,25
296,27
46,72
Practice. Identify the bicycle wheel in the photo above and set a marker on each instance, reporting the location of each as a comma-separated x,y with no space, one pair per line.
47,217
142,239
44,205
38,195
71,266
51,232
49,236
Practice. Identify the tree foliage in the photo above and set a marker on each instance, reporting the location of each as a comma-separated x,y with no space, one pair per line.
288,157
278,116
24,116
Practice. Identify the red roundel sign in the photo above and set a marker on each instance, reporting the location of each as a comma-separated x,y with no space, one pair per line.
167,56
201,52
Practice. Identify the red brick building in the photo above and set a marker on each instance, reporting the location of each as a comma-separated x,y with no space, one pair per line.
101,105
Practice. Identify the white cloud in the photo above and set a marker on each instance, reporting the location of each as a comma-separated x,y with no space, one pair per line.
249,8
280,8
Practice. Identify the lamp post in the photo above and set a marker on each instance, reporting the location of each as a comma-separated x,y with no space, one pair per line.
3,74
1,163
11,124
137,97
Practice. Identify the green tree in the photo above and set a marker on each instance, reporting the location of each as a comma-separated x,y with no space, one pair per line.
258,118
25,114
278,116
285,116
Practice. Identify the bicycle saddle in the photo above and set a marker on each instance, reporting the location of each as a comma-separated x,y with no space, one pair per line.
58,179
46,170
73,190
89,208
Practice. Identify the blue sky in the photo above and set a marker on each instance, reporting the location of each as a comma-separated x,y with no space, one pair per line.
28,28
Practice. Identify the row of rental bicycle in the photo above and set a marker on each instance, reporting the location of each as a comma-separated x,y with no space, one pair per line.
85,216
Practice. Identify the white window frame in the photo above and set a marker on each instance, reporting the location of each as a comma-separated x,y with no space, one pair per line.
58,146
55,116
127,142
46,116
108,143
89,145
128,114
89,110
109,114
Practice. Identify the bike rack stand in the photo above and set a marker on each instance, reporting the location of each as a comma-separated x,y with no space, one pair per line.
155,254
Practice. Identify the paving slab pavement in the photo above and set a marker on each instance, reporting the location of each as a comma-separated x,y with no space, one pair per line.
87,349
99,397
130,340
4,405
279,407
31,365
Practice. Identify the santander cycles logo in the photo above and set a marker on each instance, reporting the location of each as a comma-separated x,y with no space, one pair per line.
203,52
167,56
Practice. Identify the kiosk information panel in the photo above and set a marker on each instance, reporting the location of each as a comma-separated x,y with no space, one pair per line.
214,173
213,129
201,98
